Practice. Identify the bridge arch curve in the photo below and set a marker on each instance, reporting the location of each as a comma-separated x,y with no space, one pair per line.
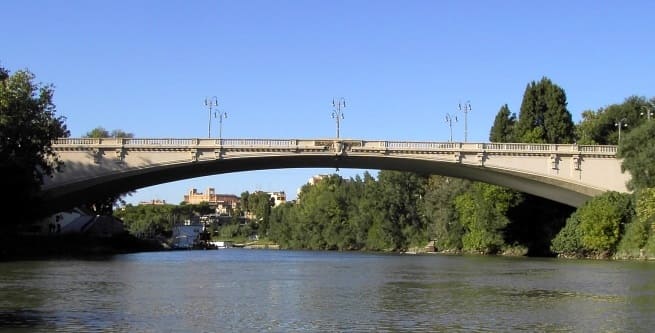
95,168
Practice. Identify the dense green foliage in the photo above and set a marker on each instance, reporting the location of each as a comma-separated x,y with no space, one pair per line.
602,220
597,226
101,132
639,232
544,117
28,126
568,241
259,204
150,220
601,126
396,212
482,212
637,150
503,127
439,209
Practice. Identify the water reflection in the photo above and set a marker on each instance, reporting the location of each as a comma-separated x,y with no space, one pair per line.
282,291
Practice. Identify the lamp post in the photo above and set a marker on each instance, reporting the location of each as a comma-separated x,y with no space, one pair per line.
449,121
466,107
210,103
220,115
619,124
337,113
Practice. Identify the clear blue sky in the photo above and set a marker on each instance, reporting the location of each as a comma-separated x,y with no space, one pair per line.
145,67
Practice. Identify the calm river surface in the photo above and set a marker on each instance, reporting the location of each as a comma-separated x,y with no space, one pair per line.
239,290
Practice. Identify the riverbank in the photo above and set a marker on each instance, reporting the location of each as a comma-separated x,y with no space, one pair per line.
25,247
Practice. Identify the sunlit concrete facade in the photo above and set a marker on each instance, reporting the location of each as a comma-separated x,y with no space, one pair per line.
570,174
223,203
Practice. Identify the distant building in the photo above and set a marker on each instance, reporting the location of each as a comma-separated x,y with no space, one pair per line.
222,203
154,202
278,197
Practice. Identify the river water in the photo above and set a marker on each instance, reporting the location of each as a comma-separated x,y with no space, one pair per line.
240,290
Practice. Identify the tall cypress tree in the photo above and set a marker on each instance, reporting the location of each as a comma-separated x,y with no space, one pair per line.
544,117
503,128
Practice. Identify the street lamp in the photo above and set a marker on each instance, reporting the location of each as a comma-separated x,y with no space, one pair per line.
466,107
619,124
210,103
337,113
449,121
220,115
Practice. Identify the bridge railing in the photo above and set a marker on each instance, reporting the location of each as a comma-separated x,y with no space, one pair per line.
550,147
158,142
76,141
258,143
419,145
599,149
298,143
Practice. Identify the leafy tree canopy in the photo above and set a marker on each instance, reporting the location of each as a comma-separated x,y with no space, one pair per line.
602,220
28,126
638,153
601,126
101,132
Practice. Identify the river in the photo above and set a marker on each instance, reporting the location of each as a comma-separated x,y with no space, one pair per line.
241,290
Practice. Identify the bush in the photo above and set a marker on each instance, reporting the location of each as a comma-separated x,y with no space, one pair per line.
602,220
634,239
568,240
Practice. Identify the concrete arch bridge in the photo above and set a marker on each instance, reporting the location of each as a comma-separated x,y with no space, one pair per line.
94,168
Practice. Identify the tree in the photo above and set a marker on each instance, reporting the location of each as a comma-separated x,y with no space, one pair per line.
568,241
28,127
637,231
442,219
400,195
260,204
503,127
638,154
544,117
596,227
367,215
600,126
587,131
283,220
602,220
482,212
101,132
98,132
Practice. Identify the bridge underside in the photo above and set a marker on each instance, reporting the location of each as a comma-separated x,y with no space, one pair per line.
77,193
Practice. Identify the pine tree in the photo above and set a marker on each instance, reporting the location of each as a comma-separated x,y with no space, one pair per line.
544,117
503,128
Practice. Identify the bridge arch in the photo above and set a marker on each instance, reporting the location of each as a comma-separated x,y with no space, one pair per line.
95,168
